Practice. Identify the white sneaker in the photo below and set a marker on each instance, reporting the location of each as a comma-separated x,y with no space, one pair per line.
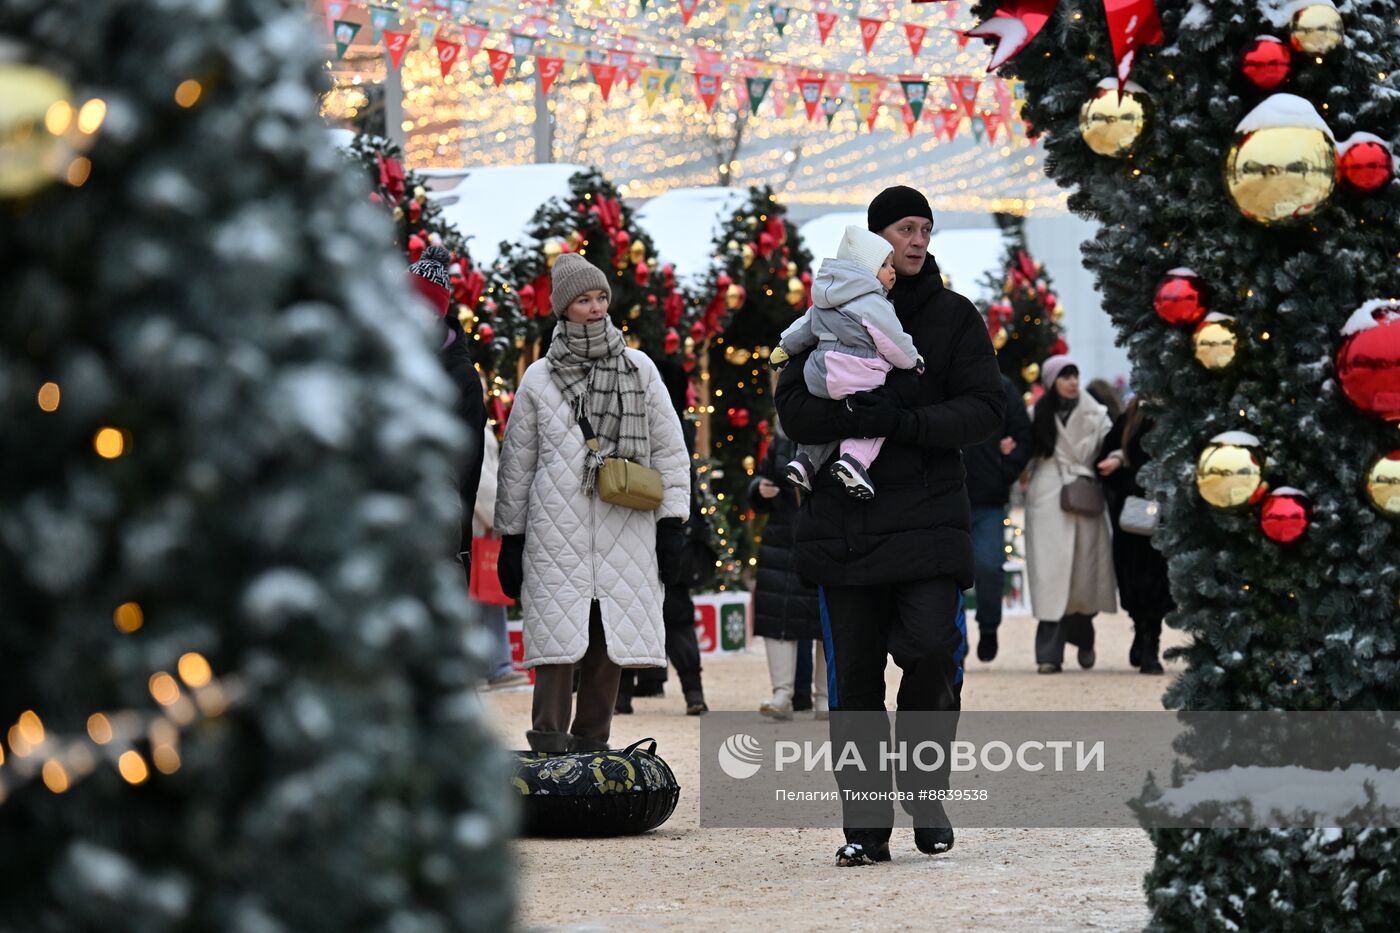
781,711
848,471
798,471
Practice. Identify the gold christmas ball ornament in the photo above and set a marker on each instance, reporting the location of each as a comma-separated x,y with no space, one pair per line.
634,312
796,294
1383,484
519,341
35,120
792,271
1282,166
1215,341
1030,373
999,340
689,344
1230,471
420,194
552,251
1058,314
638,252
748,255
732,246
1111,122
749,464
1316,28
734,297
398,213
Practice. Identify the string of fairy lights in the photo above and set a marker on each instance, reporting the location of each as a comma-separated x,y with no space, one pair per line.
464,120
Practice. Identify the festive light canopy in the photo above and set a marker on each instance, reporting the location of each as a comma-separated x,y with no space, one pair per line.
864,136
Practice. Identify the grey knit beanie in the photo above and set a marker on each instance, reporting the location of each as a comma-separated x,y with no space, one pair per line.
572,276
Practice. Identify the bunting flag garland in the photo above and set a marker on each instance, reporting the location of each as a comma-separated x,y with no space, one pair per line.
869,29
824,23
811,89
345,32
741,93
654,81
427,32
335,10
990,124
379,19
915,93
964,92
830,106
672,65
780,17
864,92
604,75
707,86
472,37
870,119
952,120
979,129
757,88
911,120
447,53
780,99
521,47
687,9
734,11
500,62
1131,23
632,72
395,44
1015,24
915,34
547,68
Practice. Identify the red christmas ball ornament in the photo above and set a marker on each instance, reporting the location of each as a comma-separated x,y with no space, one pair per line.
764,427
738,417
1368,361
527,299
1364,163
486,332
643,275
697,331
674,308
1181,298
1266,63
1060,347
671,342
1050,301
376,198
668,275
722,283
689,364
415,211
1285,515
416,245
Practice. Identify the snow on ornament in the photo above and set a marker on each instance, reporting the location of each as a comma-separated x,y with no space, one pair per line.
1368,361
1364,162
1266,63
1383,484
1230,471
1215,342
1282,165
1181,297
1285,515
1111,122
1314,26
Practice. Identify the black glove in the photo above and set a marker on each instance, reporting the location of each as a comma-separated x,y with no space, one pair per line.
902,387
510,568
875,414
670,544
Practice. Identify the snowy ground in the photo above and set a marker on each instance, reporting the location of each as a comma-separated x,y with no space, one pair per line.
681,877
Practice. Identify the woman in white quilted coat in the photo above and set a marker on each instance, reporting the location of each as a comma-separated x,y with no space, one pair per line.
589,574
1069,556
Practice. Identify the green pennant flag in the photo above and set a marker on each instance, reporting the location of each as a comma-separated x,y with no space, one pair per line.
915,92
672,64
641,6
780,17
979,130
344,35
379,19
757,87
830,105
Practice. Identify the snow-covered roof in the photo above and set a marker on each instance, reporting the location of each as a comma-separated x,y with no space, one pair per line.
496,203
965,255
684,222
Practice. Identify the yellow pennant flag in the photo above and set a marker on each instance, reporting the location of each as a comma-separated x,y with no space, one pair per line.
653,82
865,90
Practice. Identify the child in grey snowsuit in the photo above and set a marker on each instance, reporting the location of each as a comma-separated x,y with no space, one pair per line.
858,340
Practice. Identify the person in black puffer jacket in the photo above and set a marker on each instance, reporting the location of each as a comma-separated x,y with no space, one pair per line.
892,570
786,614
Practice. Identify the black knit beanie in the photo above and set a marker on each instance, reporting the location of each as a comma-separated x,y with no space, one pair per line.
895,204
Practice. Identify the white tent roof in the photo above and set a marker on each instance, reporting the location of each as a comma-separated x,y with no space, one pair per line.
964,255
683,224
496,203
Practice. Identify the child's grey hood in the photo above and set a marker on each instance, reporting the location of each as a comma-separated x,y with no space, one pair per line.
840,281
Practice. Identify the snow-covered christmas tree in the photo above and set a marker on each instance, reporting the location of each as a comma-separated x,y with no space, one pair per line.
1023,313
1248,210
235,666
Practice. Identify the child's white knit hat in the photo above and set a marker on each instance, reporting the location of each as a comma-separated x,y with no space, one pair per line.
868,250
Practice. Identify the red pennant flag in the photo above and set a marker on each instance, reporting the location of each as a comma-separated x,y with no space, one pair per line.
870,120
707,85
605,75
869,29
1131,23
500,62
915,35
632,73
447,53
395,43
811,89
687,9
964,91
548,69
474,35
910,121
824,23
990,123
952,119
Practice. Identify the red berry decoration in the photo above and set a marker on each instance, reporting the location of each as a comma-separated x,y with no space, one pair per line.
1364,163
1285,515
1266,63
1368,361
485,332
739,417
1181,298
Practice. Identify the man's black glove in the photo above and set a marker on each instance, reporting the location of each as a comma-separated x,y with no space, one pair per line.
902,387
875,414
670,544
510,568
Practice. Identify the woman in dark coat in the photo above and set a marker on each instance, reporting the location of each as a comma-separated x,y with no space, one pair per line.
1143,587
786,613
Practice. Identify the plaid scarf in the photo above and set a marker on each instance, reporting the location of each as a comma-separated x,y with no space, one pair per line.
589,366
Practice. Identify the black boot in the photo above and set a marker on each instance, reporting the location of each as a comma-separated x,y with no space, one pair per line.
987,644
551,743
1135,649
1151,645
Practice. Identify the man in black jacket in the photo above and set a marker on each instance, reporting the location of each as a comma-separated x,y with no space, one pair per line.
992,467
892,569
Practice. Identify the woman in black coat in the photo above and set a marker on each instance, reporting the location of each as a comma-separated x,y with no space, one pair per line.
1143,588
786,613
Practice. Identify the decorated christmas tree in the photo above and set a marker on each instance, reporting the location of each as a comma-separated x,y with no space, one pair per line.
233,672
1024,313
761,282
1247,255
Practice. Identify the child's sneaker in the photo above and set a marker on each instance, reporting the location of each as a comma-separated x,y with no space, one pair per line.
799,472
851,473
